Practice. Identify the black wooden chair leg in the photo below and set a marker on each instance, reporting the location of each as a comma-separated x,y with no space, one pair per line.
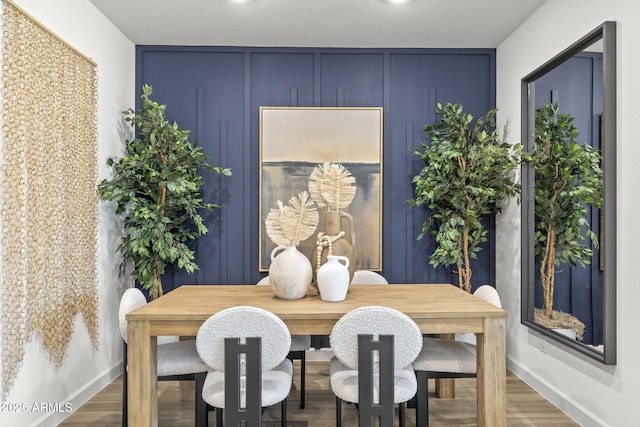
338,412
283,412
422,403
219,417
202,414
303,369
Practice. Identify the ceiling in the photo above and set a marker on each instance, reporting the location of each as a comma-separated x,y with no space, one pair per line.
318,23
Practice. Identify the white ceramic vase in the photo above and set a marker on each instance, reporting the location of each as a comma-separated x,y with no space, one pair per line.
290,272
333,278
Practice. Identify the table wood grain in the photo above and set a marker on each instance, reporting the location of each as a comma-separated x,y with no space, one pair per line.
436,308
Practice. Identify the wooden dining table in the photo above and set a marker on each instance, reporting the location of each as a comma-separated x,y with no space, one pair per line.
436,308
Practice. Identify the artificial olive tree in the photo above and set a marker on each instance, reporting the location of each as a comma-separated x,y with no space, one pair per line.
156,187
568,180
467,172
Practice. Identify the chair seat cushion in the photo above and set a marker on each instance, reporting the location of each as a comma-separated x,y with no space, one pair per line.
276,385
442,355
300,342
179,358
344,383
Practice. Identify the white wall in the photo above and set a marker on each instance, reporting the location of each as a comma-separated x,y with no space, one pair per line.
591,393
85,371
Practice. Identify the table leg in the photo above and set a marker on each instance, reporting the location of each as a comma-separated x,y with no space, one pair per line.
446,387
143,376
187,388
492,374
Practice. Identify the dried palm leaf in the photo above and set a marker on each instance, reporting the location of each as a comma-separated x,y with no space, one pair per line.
332,185
317,177
273,225
292,223
303,211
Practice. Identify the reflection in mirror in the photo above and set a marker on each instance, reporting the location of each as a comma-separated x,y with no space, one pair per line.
569,128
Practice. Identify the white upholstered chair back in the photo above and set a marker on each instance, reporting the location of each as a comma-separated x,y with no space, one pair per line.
242,322
486,293
489,294
132,299
264,281
376,320
365,277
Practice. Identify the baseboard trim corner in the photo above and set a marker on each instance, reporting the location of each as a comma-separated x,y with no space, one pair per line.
557,397
81,396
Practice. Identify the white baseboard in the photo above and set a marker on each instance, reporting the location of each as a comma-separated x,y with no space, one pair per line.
557,397
80,397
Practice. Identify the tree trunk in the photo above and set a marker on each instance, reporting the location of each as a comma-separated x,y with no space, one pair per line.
464,271
156,281
548,264
548,271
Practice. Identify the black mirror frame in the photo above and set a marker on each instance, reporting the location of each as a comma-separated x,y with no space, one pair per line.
606,32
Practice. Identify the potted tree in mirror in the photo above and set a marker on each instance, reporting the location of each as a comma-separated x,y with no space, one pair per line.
568,180
467,172
156,187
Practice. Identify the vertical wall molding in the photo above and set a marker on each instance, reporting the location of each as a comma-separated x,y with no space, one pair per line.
408,129
249,176
201,140
224,236
340,97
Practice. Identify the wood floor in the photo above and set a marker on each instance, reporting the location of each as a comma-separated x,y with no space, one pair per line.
524,406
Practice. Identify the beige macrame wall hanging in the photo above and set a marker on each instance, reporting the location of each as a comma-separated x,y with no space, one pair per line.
49,198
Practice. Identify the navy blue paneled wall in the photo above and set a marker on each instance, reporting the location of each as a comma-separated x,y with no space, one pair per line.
216,92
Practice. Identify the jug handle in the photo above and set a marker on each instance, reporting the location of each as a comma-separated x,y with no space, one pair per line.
343,258
350,221
276,249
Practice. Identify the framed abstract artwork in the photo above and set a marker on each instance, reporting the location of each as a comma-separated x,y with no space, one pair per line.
294,140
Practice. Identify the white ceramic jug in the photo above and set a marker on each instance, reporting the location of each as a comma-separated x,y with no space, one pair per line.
333,278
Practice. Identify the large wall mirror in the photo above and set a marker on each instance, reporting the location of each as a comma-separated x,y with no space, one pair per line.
569,197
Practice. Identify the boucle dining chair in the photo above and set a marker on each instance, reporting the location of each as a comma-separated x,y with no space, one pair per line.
299,345
245,349
366,277
177,361
444,358
374,384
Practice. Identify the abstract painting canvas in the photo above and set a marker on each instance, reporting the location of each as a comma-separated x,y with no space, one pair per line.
293,141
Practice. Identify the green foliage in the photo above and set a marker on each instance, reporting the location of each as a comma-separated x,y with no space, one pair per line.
467,172
156,187
568,179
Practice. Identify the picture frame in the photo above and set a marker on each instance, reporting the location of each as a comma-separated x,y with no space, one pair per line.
294,140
